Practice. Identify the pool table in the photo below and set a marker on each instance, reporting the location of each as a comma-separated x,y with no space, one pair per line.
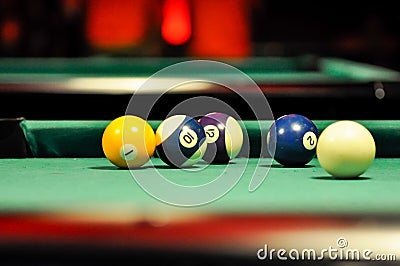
101,87
63,202
62,199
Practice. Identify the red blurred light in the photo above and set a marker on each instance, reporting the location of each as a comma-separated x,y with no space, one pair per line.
176,25
10,31
116,24
221,28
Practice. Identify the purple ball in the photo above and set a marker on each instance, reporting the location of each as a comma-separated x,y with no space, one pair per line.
224,137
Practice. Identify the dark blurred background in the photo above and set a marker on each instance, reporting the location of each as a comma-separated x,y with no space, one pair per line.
365,32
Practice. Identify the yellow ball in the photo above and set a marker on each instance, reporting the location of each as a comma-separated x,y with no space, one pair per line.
128,141
346,149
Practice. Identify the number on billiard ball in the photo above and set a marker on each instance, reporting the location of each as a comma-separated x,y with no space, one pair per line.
294,138
180,141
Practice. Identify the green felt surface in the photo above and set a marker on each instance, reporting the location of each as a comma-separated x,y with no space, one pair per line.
75,184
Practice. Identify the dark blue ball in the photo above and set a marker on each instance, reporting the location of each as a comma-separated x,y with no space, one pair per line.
181,141
294,138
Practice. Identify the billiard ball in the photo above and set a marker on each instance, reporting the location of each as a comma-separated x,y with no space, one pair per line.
346,149
294,138
180,141
224,137
128,141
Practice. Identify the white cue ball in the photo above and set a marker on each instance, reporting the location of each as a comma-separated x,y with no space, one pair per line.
346,149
